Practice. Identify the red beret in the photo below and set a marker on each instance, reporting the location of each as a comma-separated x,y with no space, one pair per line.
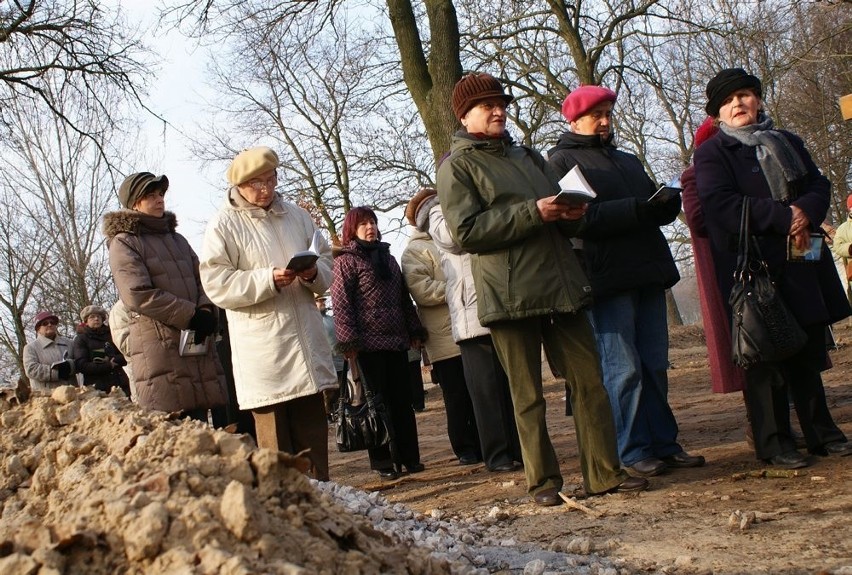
584,99
705,131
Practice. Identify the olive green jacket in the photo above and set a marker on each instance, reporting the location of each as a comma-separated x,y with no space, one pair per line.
522,266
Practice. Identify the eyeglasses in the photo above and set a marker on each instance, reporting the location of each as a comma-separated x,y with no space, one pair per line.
48,322
492,105
259,184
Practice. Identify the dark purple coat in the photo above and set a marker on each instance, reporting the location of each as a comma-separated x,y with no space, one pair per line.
371,314
726,171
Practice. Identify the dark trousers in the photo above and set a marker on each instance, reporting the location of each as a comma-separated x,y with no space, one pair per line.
293,426
386,372
418,394
492,402
461,420
769,386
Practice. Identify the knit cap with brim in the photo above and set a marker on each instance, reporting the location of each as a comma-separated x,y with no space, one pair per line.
474,88
251,163
137,185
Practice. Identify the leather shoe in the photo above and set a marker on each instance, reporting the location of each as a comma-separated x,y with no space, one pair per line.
389,473
548,497
631,484
683,459
505,467
789,460
469,460
648,467
841,448
414,467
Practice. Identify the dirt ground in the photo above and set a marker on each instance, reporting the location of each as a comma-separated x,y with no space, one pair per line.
689,521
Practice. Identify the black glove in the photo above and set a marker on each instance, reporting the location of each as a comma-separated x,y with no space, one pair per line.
64,369
203,323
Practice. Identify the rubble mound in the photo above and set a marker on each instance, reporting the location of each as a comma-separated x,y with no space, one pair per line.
92,483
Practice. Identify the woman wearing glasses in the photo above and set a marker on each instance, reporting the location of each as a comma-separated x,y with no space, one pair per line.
281,357
156,273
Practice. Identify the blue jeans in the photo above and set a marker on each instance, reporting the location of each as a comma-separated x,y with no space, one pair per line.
633,341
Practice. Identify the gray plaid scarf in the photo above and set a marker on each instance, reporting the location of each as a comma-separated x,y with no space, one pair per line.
780,162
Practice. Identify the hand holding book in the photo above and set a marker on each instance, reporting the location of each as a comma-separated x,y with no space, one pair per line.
574,189
305,259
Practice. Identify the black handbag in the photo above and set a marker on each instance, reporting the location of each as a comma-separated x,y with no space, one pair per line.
364,426
763,327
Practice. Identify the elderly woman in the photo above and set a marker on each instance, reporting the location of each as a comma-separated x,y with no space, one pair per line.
156,273
376,323
789,198
281,358
96,355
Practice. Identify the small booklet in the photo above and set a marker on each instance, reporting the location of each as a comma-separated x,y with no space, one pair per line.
664,194
188,346
574,189
812,254
306,258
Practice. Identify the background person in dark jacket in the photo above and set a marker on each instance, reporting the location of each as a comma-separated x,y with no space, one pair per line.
96,355
789,199
629,266
376,323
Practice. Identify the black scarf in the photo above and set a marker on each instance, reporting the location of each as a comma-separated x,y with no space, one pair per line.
379,257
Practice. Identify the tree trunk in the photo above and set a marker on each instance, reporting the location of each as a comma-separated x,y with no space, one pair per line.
430,78
672,311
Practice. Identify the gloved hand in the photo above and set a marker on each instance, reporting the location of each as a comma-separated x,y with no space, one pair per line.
203,322
64,369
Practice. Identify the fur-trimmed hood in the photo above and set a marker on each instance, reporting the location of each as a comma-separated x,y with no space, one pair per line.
137,223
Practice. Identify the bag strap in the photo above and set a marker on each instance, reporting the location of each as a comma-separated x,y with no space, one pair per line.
358,375
743,241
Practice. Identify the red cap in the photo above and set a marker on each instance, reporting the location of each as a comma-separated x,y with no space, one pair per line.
849,203
43,315
705,131
584,99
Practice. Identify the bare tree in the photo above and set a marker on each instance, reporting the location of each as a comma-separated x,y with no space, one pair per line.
25,261
52,47
57,185
313,94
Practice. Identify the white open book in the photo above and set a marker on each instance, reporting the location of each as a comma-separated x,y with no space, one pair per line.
188,346
574,189
304,259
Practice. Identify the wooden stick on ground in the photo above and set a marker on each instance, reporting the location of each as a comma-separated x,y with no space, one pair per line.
572,503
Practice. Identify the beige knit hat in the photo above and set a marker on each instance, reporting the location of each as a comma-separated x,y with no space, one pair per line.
93,310
251,163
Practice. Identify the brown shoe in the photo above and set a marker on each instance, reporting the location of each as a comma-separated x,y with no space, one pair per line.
547,497
631,484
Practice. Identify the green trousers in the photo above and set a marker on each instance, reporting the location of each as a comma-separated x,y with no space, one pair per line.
569,342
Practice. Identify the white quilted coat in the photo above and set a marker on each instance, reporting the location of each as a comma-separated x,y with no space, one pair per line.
278,342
